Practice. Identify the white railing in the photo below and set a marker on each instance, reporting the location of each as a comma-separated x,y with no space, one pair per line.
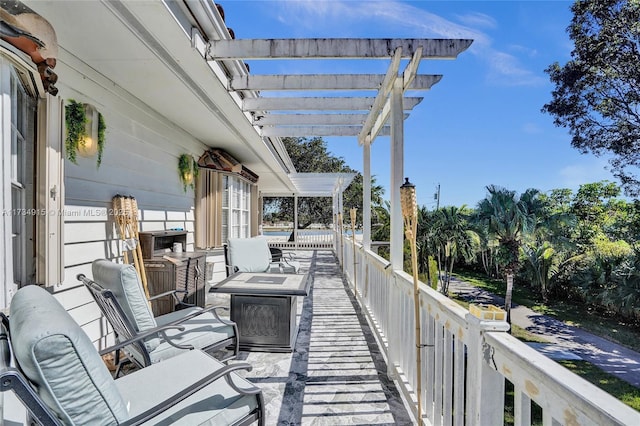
466,362
306,239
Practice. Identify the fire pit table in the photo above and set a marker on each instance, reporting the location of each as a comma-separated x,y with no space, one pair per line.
266,307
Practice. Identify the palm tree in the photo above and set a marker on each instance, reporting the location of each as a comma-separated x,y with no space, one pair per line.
508,217
548,247
454,238
426,242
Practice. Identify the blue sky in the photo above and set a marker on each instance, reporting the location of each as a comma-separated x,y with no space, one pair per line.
481,124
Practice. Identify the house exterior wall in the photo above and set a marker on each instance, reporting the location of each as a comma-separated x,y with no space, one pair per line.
140,159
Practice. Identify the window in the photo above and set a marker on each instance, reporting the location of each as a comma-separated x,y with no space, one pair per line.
22,188
31,178
235,208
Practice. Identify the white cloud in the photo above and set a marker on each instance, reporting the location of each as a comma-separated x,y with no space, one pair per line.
506,69
476,19
574,175
532,53
333,18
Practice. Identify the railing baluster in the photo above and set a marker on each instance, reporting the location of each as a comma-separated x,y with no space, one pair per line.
521,408
447,385
458,382
464,372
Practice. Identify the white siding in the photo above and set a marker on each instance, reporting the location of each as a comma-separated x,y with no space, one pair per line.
140,159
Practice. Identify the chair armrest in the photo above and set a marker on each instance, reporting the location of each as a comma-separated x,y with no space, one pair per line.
211,309
145,334
173,293
288,255
166,293
190,390
12,379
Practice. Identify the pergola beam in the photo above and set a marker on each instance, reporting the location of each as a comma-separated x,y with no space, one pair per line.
335,119
310,119
317,103
381,98
303,131
322,82
345,48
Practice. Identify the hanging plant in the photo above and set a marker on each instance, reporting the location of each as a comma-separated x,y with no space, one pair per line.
76,120
188,171
85,132
102,126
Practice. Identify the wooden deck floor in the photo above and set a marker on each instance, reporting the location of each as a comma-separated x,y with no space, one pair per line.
336,374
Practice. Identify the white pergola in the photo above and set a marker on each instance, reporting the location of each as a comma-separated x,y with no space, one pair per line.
361,116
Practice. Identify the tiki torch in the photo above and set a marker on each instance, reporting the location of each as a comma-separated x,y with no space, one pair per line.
410,218
341,240
352,213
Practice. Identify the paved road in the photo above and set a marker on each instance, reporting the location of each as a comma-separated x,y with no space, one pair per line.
611,357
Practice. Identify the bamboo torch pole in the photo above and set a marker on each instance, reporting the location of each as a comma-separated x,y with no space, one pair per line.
341,241
410,218
118,214
352,213
138,253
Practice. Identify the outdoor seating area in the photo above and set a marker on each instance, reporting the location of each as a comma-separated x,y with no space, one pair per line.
161,208
117,290
344,366
336,373
61,378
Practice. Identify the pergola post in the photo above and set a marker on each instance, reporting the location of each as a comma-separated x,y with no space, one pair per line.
397,174
366,196
295,220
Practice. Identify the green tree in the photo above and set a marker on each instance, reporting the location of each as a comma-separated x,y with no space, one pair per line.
508,217
597,92
549,247
592,209
454,238
312,156
427,246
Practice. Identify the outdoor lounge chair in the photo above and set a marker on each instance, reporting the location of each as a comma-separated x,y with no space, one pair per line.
117,290
254,255
61,379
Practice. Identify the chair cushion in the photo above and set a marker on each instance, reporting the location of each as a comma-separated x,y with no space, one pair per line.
200,332
216,404
124,283
249,254
60,360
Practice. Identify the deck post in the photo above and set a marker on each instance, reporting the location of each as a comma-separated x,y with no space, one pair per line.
366,195
397,174
485,385
295,220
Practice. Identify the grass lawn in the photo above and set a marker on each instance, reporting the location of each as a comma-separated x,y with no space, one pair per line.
620,389
577,315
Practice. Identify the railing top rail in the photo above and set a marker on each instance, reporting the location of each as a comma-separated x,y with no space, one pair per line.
571,399
438,305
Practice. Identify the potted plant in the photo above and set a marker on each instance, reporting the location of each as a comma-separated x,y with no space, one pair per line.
188,171
85,131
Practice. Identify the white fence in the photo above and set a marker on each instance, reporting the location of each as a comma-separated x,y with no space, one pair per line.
305,239
465,361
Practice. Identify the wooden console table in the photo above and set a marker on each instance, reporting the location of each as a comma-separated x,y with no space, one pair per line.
265,307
